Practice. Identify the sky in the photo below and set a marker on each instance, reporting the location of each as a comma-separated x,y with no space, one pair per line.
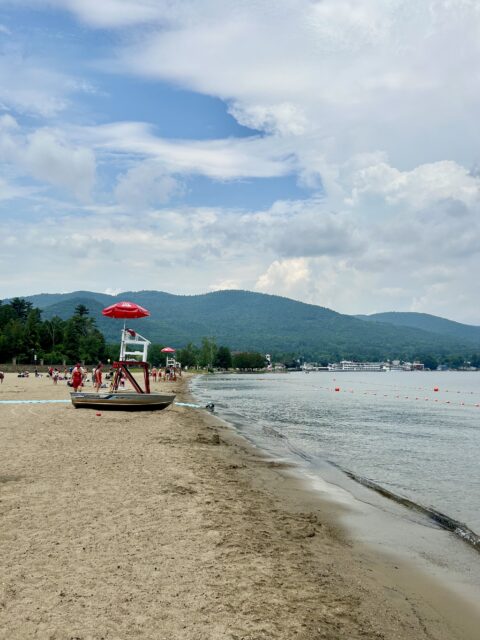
323,150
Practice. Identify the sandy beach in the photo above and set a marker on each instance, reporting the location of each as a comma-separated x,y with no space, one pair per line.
168,525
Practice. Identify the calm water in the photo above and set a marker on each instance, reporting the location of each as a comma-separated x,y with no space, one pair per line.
390,428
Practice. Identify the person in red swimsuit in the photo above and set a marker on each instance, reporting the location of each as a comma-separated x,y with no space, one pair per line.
98,377
77,377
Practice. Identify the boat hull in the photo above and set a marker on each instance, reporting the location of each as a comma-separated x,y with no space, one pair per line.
122,401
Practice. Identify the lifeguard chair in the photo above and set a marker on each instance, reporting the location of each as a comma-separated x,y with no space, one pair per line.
133,340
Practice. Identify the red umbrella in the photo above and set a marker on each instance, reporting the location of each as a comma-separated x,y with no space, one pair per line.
127,310
168,350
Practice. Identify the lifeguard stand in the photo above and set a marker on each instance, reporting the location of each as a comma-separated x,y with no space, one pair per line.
131,337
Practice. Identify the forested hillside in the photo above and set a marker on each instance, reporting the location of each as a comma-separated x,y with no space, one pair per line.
244,320
427,322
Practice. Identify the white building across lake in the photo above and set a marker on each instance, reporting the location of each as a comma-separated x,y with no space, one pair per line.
349,365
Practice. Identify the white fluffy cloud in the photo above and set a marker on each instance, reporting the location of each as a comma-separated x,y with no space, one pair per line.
421,187
45,155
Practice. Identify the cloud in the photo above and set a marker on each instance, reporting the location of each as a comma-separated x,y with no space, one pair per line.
336,76
313,231
45,155
187,248
419,188
284,275
33,88
224,159
9,191
146,185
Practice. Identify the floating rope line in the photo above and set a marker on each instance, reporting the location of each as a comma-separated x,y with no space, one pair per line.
33,401
188,404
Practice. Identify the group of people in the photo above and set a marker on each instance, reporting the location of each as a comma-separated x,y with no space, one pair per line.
55,374
79,376
169,374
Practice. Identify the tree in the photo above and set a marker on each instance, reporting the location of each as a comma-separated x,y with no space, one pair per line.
155,355
53,331
81,310
475,360
21,308
223,358
248,360
429,361
189,356
208,352
32,331
82,340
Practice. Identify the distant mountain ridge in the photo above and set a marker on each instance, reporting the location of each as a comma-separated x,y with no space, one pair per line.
426,322
245,320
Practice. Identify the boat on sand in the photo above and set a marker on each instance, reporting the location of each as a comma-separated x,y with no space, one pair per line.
141,399
122,400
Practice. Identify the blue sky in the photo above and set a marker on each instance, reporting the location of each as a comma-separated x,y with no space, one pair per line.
325,151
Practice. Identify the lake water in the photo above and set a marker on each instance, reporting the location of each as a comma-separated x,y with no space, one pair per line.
392,430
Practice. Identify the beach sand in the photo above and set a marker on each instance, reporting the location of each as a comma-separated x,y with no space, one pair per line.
167,525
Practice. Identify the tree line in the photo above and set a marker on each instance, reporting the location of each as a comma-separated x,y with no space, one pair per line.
31,340
211,356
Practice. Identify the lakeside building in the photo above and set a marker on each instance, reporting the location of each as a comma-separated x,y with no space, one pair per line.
395,365
349,365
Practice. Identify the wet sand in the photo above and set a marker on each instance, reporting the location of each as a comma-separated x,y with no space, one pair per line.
167,525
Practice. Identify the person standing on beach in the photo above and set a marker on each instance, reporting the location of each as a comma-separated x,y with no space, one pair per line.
77,377
98,377
154,374
2,376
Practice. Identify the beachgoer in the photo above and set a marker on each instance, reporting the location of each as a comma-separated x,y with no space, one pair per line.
55,375
154,374
98,377
77,377
2,376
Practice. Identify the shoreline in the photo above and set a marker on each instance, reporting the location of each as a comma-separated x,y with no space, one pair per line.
340,501
170,525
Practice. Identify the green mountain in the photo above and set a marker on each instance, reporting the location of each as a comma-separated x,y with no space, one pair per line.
427,322
243,320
